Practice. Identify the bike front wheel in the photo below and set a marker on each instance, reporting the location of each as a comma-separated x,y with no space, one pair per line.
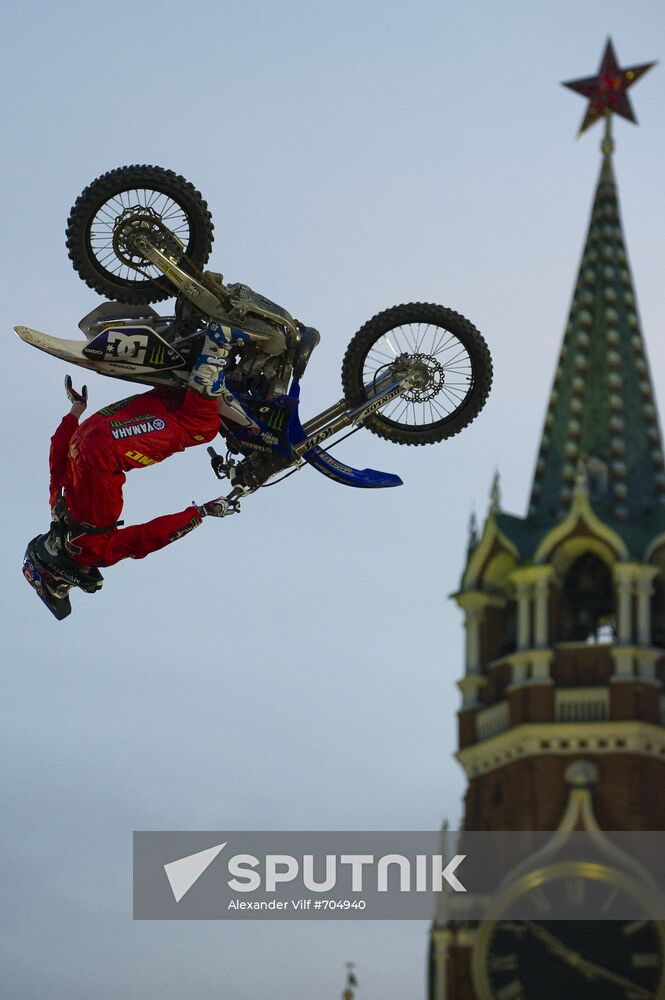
120,202
444,345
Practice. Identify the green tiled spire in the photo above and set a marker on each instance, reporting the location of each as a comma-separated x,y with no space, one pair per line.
602,409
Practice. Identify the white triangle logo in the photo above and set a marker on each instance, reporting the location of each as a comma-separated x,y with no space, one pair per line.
183,873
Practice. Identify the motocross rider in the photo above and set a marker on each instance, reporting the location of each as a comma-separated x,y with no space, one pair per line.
88,463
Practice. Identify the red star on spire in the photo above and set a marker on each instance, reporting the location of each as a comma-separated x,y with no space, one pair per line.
607,91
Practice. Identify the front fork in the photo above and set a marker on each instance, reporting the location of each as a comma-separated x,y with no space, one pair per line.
336,418
248,475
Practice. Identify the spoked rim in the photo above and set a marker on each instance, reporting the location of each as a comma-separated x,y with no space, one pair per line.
158,209
446,367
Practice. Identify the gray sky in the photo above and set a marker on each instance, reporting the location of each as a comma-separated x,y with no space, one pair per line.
295,667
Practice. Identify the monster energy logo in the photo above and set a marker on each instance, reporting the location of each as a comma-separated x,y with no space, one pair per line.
157,355
108,411
276,419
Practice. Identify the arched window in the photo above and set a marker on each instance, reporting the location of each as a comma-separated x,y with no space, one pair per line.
658,600
587,597
508,639
500,620
658,612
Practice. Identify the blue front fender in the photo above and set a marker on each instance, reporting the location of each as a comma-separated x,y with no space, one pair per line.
368,479
348,476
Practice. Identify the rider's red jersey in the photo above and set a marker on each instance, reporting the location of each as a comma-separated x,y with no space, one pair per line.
90,461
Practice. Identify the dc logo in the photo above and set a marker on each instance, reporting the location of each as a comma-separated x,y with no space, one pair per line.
158,424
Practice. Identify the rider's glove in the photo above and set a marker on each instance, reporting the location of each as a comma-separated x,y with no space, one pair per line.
73,396
221,507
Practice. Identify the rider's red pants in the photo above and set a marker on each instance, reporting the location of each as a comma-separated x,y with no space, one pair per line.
90,461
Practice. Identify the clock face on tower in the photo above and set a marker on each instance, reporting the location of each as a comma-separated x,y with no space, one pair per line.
572,958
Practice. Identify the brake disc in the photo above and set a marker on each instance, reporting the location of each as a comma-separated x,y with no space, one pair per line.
430,376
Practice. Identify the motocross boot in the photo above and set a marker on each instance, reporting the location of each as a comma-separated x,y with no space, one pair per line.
207,374
52,574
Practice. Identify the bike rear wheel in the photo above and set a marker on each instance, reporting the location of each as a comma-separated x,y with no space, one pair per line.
138,197
449,351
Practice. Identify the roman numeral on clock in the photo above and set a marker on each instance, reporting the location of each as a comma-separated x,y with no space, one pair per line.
503,963
513,991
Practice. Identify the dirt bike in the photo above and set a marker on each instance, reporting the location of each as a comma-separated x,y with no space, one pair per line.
415,374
